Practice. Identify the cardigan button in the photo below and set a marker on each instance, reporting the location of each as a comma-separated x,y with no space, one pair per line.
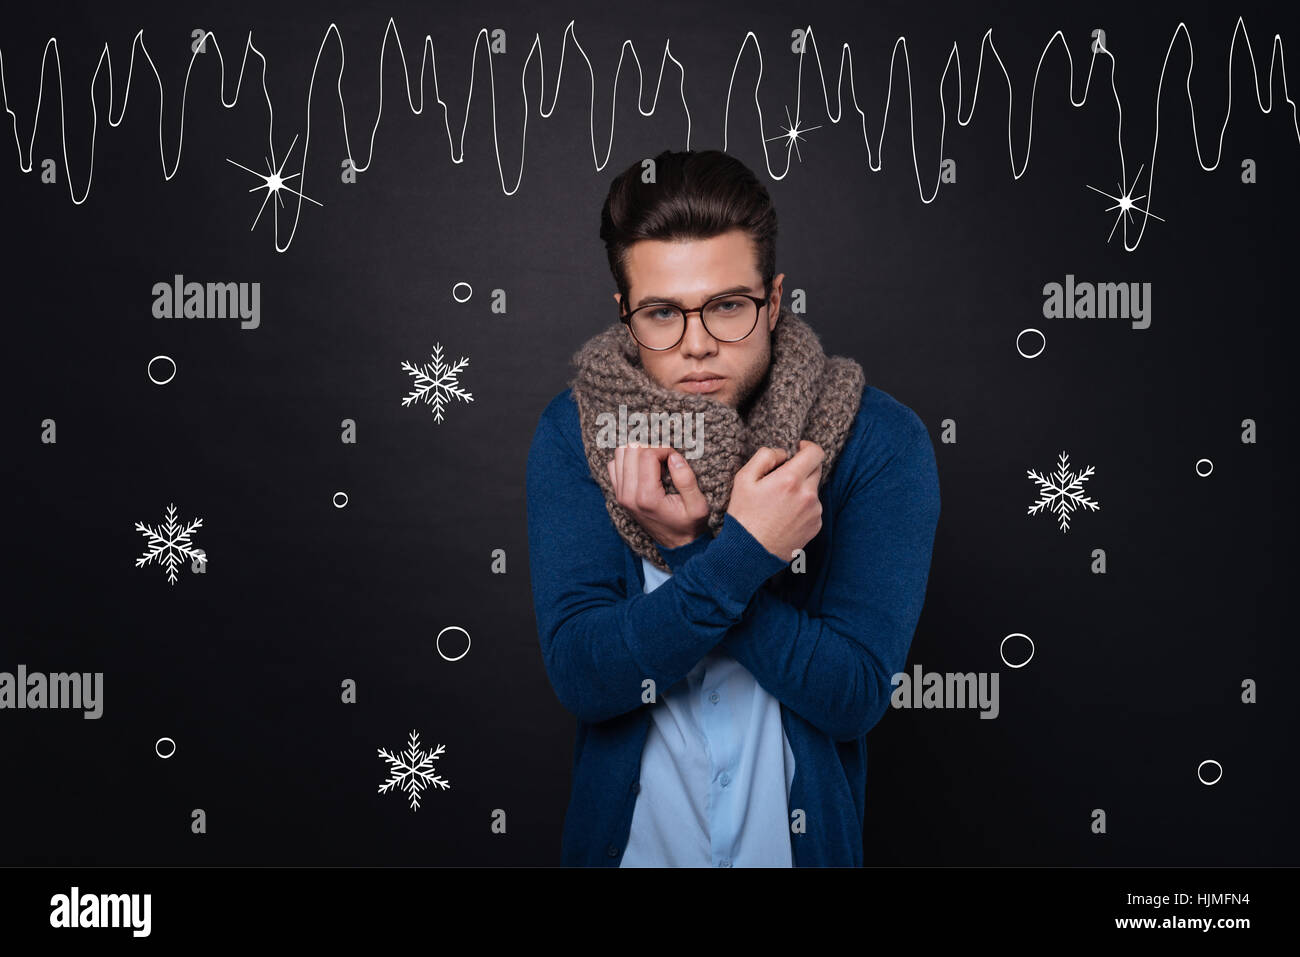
613,851
636,787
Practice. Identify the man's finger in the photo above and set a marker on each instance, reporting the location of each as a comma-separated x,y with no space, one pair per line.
630,477
684,481
762,462
808,460
649,472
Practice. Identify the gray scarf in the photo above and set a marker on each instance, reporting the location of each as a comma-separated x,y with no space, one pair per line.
805,395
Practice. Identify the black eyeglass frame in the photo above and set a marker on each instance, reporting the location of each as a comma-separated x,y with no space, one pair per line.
759,301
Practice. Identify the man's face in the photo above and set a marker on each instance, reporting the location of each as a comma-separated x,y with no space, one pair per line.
687,274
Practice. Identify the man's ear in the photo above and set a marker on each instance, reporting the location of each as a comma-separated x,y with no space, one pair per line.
775,313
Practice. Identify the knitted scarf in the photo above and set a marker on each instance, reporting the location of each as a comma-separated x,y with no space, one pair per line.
804,395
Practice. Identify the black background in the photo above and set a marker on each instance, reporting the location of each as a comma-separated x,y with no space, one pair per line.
1137,673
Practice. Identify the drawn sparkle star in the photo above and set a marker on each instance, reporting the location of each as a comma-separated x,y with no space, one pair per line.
273,182
1125,202
791,134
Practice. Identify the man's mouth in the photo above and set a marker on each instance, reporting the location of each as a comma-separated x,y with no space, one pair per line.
702,383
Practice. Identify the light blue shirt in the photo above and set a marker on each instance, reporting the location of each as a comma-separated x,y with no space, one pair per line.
716,771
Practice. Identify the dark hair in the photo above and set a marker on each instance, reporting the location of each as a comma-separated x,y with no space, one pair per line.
696,195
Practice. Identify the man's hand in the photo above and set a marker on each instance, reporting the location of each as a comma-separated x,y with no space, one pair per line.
777,500
671,520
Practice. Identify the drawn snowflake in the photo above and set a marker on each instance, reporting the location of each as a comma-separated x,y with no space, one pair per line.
437,382
411,770
1062,491
170,544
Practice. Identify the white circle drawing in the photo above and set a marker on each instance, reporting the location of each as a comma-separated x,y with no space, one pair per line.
1203,764
1041,347
149,370
337,503
1198,467
469,291
1016,634
157,747
438,642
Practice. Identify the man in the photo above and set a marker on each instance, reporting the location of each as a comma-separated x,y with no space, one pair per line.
726,636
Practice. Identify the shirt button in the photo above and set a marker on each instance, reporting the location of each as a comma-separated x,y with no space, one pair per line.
725,862
726,779
714,697
613,851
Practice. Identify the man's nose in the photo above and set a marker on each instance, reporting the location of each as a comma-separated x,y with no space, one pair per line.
696,340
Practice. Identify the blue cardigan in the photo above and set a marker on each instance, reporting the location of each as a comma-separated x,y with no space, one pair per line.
825,642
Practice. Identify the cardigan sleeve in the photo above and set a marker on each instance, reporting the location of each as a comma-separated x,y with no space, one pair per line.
835,669
598,644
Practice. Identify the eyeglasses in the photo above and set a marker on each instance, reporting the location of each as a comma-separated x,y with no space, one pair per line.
660,325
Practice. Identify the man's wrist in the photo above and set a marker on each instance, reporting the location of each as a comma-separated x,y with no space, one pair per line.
679,555
678,541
